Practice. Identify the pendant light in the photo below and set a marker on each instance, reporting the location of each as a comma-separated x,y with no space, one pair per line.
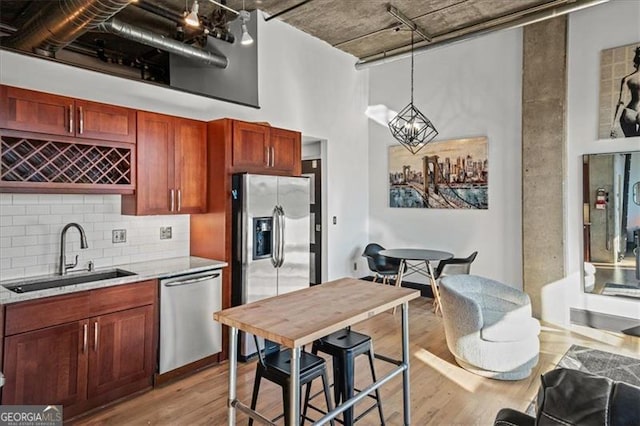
244,15
411,127
192,19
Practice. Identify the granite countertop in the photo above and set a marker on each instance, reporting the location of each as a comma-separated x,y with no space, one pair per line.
144,271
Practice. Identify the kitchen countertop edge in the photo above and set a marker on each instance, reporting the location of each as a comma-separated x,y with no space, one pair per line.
155,269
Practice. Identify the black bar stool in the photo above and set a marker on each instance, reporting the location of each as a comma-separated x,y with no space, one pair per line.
344,346
275,366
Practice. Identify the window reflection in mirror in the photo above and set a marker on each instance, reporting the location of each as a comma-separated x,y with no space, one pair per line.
611,224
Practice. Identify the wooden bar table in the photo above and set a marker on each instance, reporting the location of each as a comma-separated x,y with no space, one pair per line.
298,318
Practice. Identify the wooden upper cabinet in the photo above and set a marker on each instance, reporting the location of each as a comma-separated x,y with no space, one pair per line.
190,153
171,166
105,122
286,150
38,112
260,148
155,166
250,146
47,366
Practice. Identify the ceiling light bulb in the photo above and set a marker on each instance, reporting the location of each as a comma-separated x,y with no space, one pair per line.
246,37
192,18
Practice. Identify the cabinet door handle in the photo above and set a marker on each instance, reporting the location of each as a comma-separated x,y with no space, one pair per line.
85,332
172,195
71,118
179,199
95,336
81,125
267,153
273,156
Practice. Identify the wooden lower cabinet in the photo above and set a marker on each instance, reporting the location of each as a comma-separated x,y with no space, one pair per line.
122,350
46,366
85,362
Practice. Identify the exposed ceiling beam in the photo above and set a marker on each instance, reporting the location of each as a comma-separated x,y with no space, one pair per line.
511,21
393,11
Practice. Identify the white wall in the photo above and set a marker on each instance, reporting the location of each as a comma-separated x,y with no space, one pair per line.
305,84
590,31
468,89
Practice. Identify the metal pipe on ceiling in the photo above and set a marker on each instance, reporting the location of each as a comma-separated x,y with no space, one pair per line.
53,27
148,38
475,31
287,10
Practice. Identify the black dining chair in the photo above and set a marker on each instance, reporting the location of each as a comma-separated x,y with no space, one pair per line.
275,365
453,266
381,266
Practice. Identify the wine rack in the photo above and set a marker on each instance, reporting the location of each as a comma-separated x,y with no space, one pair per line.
28,162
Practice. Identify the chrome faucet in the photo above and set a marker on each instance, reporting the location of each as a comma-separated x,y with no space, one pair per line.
64,266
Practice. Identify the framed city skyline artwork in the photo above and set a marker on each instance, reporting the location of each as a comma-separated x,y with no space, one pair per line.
620,92
451,174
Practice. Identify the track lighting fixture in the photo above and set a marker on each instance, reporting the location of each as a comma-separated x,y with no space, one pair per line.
191,19
246,38
244,17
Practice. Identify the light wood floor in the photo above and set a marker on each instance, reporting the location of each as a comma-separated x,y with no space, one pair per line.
441,392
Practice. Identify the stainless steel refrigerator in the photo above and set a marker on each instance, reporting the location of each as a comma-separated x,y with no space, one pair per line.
270,240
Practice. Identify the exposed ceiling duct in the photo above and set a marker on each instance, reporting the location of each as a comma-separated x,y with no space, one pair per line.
52,28
140,35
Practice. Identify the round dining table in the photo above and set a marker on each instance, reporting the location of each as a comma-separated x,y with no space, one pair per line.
416,257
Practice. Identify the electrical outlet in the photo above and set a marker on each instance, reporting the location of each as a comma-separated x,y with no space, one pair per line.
165,232
119,236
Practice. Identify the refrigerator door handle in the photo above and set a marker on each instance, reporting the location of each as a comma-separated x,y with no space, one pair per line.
281,230
275,241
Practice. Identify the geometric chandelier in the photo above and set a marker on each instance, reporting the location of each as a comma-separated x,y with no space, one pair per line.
411,127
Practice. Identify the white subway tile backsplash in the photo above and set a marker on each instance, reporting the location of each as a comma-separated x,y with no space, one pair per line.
61,209
93,217
6,220
72,199
31,225
6,199
24,241
83,208
21,262
8,210
11,273
38,209
50,199
12,231
93,199
11,252
25,199
48,219
25,220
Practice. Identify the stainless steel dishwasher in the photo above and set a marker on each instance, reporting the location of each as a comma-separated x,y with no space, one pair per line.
188,332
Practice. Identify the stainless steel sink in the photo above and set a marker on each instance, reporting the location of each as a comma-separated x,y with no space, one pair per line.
45,283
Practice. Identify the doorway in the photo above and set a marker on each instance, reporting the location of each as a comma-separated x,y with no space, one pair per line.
313,170
314,167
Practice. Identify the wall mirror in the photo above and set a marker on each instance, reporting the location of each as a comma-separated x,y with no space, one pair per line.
611,224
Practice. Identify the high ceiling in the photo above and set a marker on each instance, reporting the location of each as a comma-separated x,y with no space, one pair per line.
362,28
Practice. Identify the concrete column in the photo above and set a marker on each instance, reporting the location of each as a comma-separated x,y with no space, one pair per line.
543,155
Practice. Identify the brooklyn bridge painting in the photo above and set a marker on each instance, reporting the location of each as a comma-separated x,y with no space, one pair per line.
451,174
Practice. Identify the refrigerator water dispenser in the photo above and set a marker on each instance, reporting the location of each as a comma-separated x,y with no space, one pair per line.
262,228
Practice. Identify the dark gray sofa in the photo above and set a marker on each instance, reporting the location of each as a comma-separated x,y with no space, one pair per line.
572,397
